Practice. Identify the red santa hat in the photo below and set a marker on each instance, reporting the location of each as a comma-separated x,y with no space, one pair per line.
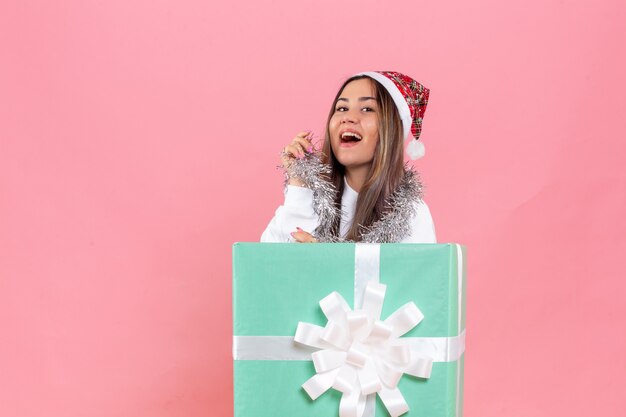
411,99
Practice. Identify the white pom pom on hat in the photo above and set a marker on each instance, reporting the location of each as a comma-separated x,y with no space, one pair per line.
411,99
415,149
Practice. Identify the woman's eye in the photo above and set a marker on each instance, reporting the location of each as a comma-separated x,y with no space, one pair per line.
341,109
367,109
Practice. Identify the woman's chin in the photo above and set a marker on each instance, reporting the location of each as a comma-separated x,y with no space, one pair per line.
353,161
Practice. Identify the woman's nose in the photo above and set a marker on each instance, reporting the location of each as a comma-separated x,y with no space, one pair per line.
349,117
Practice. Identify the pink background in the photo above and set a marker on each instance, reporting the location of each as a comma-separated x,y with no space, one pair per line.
138,141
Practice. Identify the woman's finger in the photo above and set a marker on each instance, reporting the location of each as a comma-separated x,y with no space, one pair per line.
298,148
294,149
301,236
305,138
305,144
300,145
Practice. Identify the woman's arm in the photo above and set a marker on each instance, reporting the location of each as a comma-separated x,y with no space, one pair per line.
296,211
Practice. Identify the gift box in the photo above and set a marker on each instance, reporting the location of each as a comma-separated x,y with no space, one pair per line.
280,289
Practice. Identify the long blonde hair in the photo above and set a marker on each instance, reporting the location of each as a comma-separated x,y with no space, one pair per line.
387,167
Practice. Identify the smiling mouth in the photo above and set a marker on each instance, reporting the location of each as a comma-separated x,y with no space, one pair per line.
350,137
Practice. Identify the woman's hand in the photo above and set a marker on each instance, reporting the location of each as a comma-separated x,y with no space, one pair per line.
297,149
303,237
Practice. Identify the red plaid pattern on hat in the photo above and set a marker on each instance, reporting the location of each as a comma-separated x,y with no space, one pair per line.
415,95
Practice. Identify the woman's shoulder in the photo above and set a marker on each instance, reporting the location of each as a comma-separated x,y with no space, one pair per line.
422,225
422,212
421,206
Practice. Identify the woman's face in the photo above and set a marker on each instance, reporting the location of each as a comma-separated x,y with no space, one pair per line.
353,127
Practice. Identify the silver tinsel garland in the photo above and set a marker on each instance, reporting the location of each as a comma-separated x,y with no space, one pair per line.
394,226
312,171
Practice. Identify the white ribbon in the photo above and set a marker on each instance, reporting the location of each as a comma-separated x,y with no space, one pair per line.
282,348
360,354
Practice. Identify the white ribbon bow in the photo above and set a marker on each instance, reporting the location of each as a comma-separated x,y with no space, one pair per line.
360,354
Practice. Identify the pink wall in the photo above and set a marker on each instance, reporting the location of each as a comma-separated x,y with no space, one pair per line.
138,141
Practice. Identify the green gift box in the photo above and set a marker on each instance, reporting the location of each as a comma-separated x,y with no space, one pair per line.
276,286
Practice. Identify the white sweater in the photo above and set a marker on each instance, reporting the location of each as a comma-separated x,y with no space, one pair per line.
297,211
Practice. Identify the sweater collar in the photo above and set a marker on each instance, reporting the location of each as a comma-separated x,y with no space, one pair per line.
349,195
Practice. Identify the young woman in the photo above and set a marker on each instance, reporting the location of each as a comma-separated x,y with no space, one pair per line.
358,188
